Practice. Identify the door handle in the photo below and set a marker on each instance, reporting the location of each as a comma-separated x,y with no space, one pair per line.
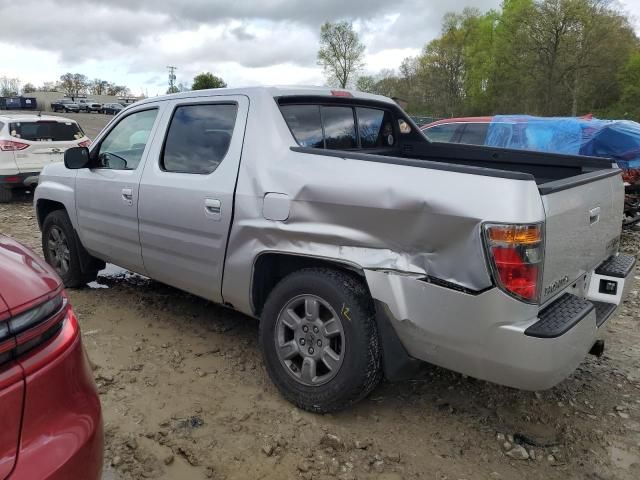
594,215
127,196
213,207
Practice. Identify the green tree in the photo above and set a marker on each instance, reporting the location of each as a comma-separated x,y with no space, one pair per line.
207,80
629,105
341,53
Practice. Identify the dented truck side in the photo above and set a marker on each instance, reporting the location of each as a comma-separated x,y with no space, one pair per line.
498,264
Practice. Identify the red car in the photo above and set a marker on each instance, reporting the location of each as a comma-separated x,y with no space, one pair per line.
50,417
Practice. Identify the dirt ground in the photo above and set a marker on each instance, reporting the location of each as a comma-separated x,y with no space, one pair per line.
185,396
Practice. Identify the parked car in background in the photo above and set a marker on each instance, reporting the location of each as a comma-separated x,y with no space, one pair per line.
360,245
29,142
112,108
50,416
89,106
615,139
468,130
64,105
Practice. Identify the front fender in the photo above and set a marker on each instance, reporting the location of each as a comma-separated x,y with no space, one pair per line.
57,184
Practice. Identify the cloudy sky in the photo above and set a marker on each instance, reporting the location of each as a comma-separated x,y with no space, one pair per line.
247,42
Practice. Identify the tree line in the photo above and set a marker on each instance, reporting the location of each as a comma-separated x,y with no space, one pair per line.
541,57
70,84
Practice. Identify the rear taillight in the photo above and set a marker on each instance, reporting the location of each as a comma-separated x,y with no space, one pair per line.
11,146
516,255
84,143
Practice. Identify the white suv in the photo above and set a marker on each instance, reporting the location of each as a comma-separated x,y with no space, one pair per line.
28,143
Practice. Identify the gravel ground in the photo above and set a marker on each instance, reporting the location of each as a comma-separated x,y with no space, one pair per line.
185,396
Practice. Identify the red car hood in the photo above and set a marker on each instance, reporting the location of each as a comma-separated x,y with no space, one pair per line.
24,277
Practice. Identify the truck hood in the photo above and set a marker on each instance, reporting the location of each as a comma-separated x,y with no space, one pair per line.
24,277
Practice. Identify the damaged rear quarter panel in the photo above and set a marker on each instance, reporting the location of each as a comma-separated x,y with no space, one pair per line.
374,215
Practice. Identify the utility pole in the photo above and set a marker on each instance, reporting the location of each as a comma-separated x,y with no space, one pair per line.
172,79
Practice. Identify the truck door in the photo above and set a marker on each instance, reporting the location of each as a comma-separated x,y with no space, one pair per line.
107,193
186,193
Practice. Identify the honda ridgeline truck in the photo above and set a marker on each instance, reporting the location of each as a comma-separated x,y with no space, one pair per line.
361,246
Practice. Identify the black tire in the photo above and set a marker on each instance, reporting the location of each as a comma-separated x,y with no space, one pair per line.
6,194
360,370
73,276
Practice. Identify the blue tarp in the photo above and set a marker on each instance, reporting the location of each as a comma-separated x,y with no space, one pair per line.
617,139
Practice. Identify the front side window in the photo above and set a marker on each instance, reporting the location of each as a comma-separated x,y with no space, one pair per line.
124,145
46,131
198,138
441,133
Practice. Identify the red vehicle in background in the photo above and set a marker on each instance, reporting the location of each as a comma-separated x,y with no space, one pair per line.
50,416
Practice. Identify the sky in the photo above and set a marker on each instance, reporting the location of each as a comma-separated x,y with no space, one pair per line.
131,42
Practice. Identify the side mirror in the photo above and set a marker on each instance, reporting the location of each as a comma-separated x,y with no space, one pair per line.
76,157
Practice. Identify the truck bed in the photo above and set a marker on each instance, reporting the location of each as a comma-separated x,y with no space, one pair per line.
551,172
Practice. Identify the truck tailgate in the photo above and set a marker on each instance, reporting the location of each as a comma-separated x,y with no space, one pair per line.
583,224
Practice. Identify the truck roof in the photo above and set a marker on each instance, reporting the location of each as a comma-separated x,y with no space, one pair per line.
273,91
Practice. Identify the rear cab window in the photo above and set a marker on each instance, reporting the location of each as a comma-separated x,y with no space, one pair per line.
340,127
46,131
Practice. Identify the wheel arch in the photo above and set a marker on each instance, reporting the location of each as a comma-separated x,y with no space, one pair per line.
271,267
44,207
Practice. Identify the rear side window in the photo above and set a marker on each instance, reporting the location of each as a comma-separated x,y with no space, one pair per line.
441,133
339,128
474,133
198,138
46,131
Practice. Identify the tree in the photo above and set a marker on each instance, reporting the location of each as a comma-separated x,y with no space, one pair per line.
115,90
341,53
9,87
629,106
173,89
73,84
207,80
366,83
48,87
28,88
98,86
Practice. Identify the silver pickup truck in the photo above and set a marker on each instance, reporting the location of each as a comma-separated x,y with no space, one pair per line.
362,247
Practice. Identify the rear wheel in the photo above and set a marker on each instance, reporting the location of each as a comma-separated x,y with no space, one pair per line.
319,339
6,194
63,251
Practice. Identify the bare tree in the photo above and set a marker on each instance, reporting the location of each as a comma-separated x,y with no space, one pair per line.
98,86
48,87
9,87
73,84
341,53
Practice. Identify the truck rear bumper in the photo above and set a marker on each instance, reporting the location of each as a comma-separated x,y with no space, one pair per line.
488,335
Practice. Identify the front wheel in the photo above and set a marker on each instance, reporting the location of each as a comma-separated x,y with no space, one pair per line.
319,339
63,251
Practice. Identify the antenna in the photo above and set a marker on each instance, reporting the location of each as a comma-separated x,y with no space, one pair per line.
172,78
